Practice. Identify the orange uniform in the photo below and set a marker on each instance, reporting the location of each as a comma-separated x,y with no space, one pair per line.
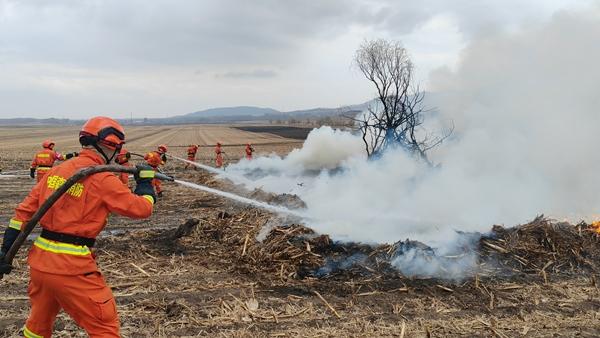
44,160
219,156
123,159
249,151
66,275
124,177
154,159
191,154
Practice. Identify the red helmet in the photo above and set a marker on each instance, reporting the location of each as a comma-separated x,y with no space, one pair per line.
104,131
49,144
218,143
123,156
162,148
153,159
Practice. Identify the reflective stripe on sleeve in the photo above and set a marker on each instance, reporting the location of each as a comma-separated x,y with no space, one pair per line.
149,198
15,224
28,334
146,173
61,248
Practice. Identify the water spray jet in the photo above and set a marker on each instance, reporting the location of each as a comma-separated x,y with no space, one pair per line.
235,178
245,200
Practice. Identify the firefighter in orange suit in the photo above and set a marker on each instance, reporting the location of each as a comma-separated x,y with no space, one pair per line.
219,155
45,158
162,151
123,159
63,271
249,151
155,159
191,154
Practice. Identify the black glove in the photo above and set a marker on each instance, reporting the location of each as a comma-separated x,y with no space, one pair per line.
143,178
32,172
10,235
71,155
163,157
5,268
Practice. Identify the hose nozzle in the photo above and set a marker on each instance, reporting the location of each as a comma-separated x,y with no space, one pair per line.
164,177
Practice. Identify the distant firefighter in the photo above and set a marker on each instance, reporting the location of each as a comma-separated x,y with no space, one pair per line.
45,158
219,155
249,151
123,159
155,159
191,154
162,151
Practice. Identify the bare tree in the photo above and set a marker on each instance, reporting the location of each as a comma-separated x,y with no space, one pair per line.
396,117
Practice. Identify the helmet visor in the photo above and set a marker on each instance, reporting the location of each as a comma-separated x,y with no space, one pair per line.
111,137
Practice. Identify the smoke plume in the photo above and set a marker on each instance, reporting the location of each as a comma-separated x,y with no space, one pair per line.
525,106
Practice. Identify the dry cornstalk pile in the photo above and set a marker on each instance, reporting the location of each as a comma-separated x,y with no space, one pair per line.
296,252
542,247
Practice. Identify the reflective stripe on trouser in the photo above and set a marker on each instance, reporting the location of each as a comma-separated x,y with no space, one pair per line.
86,299
61,248
30,334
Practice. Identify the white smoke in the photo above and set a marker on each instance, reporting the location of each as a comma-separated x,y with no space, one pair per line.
324,149
526,109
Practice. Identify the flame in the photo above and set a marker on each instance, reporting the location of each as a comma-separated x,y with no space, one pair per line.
596,226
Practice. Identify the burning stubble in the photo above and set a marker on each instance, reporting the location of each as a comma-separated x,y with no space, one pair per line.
525,109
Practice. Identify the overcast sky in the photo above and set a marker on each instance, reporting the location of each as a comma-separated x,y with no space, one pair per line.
77,58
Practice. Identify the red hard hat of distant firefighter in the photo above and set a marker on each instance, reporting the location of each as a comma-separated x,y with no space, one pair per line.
123,156
163,148
153,159
48,144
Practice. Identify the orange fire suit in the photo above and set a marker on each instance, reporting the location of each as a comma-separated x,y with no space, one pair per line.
249,151
124,177
65,276
219,158
154,159
44,160
191,154
123,159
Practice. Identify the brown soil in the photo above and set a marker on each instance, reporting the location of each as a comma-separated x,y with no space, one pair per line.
283,131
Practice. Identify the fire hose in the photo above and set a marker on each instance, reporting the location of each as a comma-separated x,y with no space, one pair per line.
142,156
136,154
48,203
